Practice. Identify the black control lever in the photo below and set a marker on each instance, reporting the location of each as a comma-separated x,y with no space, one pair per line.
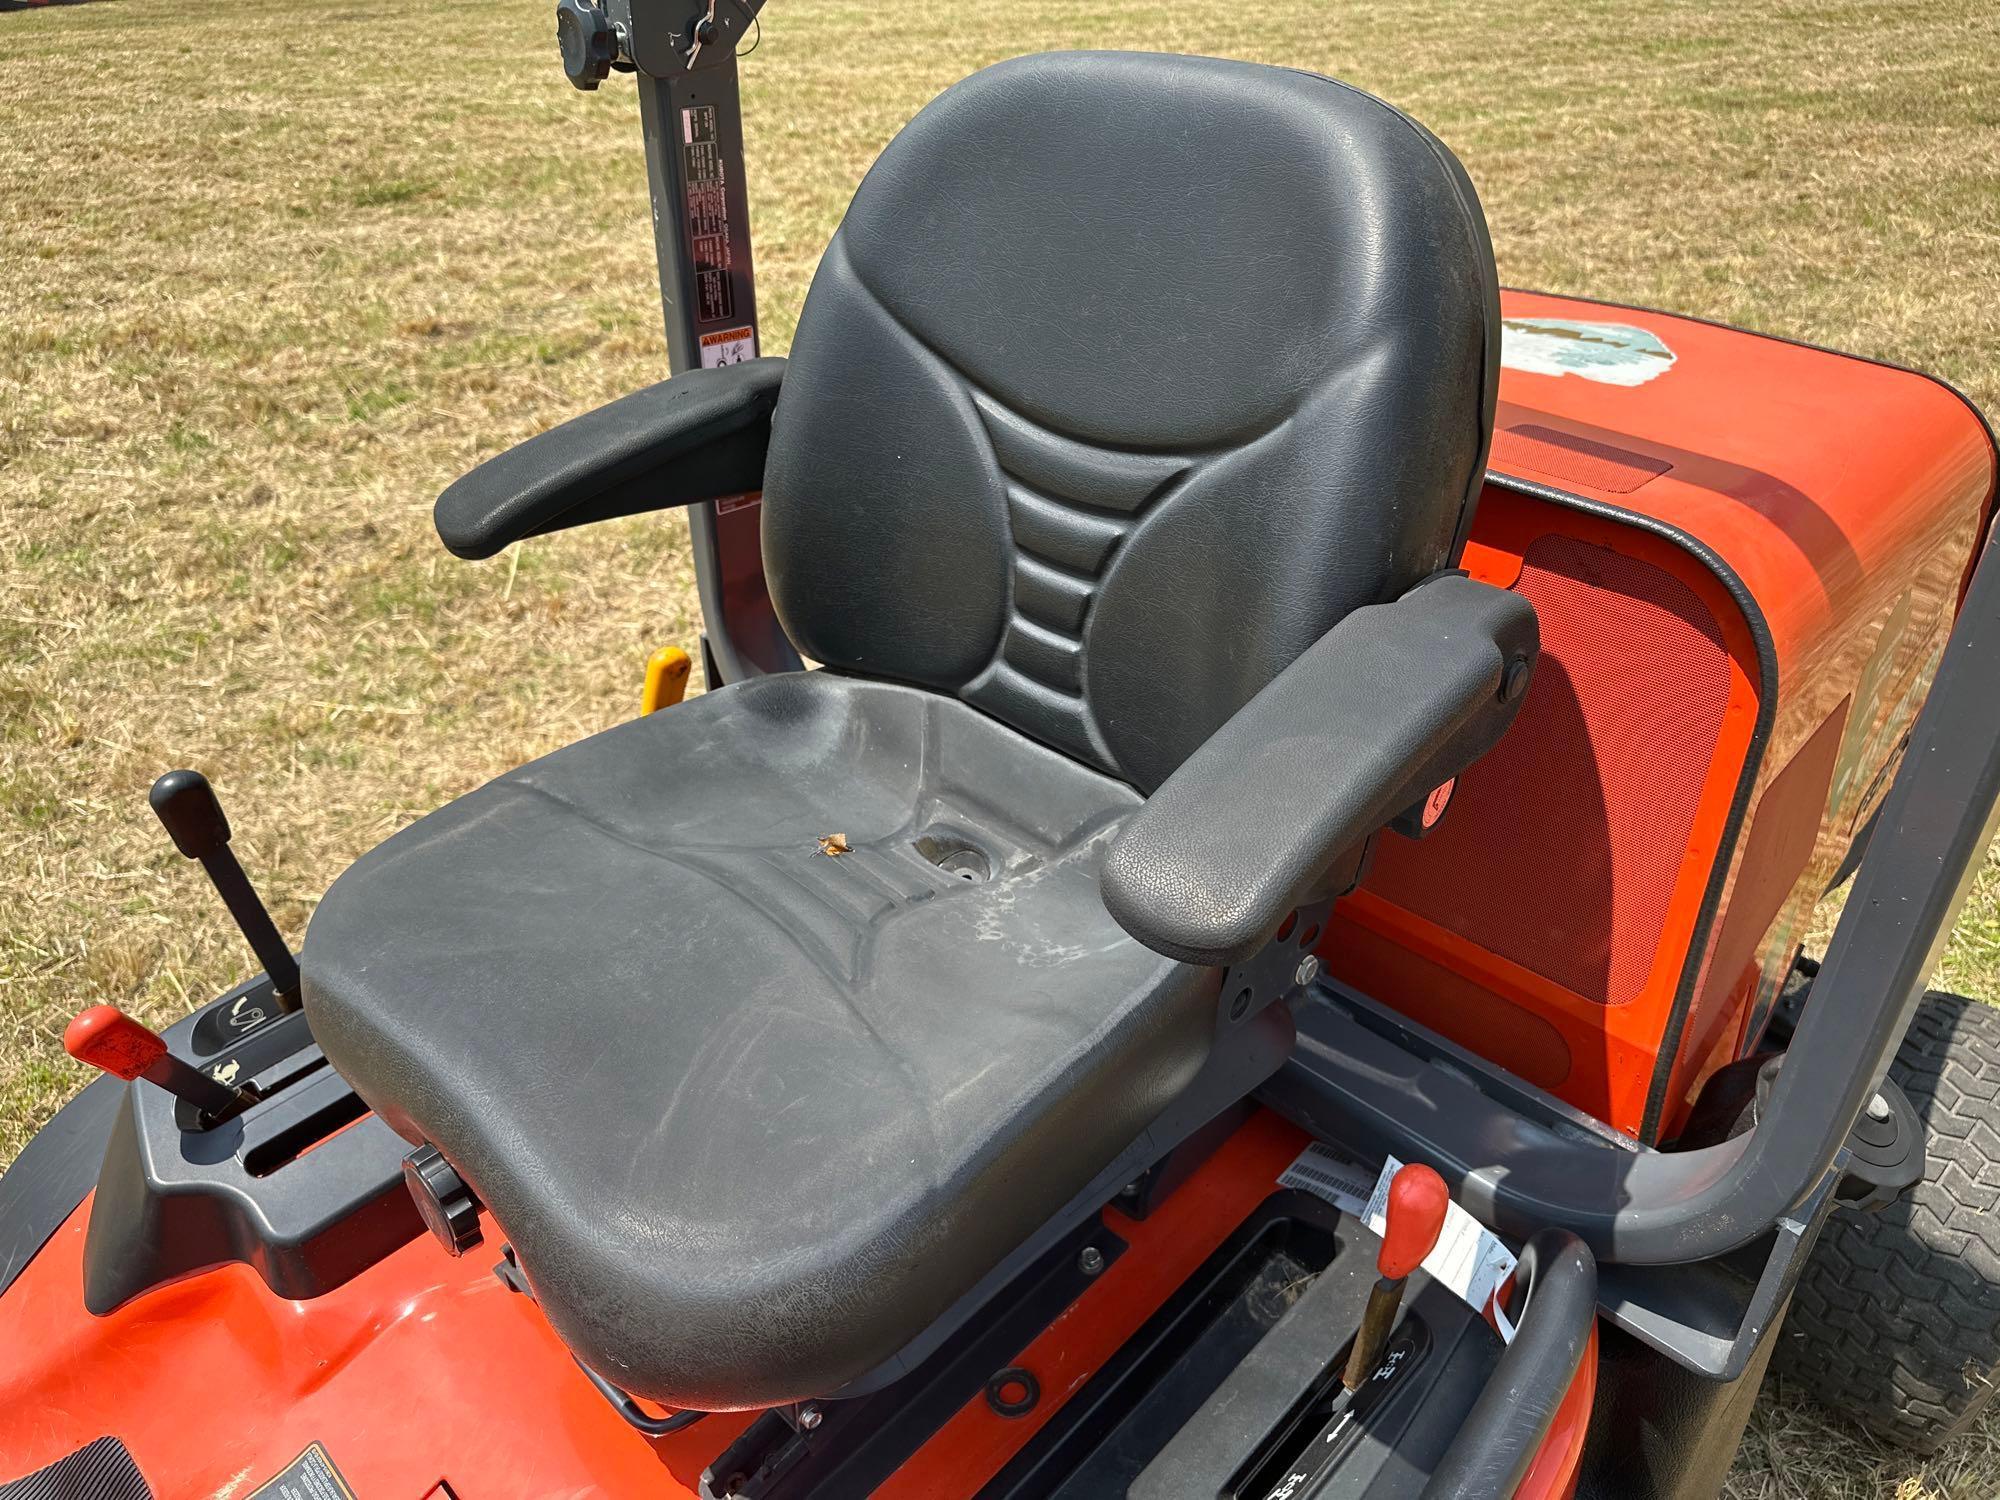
187,805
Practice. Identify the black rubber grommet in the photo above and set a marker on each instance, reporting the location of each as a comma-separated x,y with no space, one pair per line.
1013,1375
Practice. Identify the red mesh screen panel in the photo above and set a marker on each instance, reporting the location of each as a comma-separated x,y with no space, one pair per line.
1775,873
1562,846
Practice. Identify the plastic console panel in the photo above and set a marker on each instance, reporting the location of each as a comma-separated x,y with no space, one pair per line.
1216,1392
1232,1389
1380,1084
305,1185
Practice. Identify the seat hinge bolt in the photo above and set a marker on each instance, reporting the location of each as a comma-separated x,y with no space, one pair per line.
810,1417
1091,1261
1308,971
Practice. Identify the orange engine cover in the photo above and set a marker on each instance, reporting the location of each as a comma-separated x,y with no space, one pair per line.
1746,555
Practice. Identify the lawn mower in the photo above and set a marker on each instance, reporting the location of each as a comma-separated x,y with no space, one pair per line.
1229,922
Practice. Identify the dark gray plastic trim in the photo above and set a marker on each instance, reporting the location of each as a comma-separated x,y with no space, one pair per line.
53,1175
1507,1425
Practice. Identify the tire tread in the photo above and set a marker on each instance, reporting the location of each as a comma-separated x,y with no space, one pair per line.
1895,1323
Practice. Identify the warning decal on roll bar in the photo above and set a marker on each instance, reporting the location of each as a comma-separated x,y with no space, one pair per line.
707,217
728,346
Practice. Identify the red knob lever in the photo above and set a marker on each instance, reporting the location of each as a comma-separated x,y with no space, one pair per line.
1418,1199
1415,1212
105,1037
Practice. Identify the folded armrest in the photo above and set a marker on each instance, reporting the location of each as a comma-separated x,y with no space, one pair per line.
698,436
1393,701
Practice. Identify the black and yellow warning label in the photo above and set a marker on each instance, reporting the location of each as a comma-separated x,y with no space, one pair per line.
310,1476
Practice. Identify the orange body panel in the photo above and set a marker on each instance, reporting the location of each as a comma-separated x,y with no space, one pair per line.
1599,1056
421,1370
425,1369
1808,520
425,1375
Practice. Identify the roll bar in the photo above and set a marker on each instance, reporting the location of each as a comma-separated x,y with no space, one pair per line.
690,111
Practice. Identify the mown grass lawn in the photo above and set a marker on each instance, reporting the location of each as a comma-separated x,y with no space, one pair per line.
269,277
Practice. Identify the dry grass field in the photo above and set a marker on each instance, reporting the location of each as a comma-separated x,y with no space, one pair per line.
271,275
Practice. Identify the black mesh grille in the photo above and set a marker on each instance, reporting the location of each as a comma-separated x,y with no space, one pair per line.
102,1470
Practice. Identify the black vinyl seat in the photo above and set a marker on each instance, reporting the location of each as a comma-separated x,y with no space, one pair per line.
720,1068
1133,405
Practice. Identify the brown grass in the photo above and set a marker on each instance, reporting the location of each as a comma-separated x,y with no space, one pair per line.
272,276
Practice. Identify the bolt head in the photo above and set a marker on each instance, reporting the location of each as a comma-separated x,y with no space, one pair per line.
810,1417
1091,1261
1878,1107
1308,971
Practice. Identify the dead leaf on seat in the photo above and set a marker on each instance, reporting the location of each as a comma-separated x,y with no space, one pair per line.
833,845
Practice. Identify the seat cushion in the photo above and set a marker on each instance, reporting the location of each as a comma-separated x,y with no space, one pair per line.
751,1114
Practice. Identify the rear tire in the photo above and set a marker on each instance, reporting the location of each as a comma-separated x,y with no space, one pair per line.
1896,1320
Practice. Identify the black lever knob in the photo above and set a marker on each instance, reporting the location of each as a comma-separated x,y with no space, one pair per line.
187,805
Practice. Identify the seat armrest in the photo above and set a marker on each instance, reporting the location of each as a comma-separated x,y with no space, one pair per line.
1392,702
699,436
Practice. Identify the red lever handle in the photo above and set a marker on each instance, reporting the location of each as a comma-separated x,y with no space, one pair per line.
105,1037
1415,1213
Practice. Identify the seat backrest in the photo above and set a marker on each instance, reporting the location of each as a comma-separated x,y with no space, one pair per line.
1125,378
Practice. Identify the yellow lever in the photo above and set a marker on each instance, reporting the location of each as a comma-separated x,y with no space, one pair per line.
666,679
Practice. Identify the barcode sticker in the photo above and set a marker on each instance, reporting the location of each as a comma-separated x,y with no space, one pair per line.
1342,1183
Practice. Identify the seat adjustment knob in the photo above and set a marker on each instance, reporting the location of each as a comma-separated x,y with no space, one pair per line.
444,1202
589,42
